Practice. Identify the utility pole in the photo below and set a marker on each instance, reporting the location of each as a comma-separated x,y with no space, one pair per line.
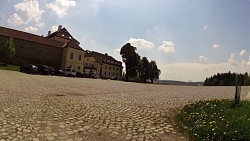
237,91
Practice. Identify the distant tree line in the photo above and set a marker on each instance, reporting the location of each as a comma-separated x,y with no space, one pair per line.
228,79
137,68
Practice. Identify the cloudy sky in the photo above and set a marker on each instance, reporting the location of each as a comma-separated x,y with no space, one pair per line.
189,39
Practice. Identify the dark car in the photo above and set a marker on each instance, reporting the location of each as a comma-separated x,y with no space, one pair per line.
59,72
114,78
51,71
43,69
29,69
79,74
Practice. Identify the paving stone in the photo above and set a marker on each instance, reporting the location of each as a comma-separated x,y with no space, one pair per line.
68,108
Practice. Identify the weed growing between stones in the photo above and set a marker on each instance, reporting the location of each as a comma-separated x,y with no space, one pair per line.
215,120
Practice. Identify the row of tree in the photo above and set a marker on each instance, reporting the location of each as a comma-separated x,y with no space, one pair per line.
228,79
138,68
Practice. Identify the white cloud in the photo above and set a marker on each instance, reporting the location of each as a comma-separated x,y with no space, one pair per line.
15,20
186,71
247,63
140,43
232,60
26,12
60,7
216,46
31,29
202,58
40,25
54,28
167,47
198,72
205,27
243,53
117,51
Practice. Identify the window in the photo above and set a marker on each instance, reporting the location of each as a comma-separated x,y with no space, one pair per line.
71,56
87,59
92,65
105,73
117,69
79,67
80,57
109,73
109,68
113,68
113,74
105,67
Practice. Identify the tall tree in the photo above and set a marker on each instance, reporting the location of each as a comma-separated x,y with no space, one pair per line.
129,57
154,72
9,49
138,65
144,75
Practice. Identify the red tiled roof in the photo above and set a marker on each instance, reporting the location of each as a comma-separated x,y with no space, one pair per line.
72,44
99,57
63,33
29,37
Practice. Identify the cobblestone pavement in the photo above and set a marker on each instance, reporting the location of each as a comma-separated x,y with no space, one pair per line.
47,108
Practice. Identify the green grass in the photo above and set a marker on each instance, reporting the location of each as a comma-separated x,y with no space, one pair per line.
215,120
9,67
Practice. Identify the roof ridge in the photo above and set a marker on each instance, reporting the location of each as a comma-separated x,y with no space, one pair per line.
22,31
18,34
102,56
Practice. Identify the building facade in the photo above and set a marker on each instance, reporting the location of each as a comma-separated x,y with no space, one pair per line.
72,53
58,50
102,64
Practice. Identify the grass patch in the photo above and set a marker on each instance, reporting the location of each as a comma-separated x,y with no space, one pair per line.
9,67
215,120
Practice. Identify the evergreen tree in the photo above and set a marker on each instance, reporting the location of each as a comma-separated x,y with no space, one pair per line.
144,69
129,57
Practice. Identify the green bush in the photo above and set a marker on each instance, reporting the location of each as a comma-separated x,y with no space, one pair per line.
9,67
216,120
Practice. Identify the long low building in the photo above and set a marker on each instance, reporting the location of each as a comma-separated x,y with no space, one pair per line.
59,49
103,65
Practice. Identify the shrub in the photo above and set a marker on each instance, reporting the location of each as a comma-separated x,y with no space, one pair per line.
216,120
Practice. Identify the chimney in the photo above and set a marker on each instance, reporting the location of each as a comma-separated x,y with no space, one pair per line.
49,32
106,54
59,27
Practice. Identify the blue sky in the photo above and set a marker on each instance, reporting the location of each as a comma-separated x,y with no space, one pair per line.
189,39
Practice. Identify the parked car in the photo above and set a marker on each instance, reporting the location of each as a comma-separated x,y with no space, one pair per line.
114,78
51,71
94,75
70,72
79,74
29,69
43,69
59,72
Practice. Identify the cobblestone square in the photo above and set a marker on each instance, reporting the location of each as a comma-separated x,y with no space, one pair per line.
51,108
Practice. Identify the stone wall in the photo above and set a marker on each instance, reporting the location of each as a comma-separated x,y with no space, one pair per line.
28,52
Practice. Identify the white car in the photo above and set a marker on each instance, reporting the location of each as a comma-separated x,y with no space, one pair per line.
70,72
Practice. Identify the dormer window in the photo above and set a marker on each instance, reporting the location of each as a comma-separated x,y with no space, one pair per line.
69,37
63,35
